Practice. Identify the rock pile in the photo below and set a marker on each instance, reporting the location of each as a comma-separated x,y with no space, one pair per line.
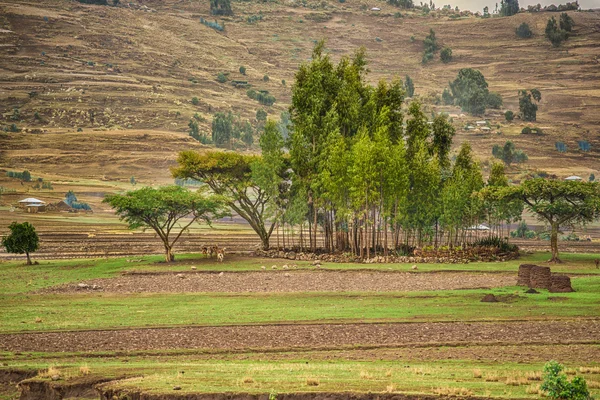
534,276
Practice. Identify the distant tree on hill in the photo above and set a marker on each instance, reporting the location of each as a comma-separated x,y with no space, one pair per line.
446,55
470,91
523,31
430,45
566,22
22,239
409,86
243,70
592,177
261,115
494,100
221,7
526,103
222,128
195,101
509,7
509,115
509,154
194,129
554,34
401,3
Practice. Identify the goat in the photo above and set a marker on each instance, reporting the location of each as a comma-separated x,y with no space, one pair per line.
220,253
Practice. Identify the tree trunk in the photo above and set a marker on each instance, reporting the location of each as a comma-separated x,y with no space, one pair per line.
28,258
169,256
554,243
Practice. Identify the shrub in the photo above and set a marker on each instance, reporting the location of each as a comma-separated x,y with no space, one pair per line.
221,77
261,115
557,387
494,100
215,25
16,115
566,22
243,70
584,145
560,147
509,115
446,55
526,131
283,82
592,177
195,101
554,34
266,78
497,242
14,128
523,31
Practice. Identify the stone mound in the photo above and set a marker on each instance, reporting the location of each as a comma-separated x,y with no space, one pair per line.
540,277
524,274
489,298
561,284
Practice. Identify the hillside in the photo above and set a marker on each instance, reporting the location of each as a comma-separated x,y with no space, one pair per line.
130,72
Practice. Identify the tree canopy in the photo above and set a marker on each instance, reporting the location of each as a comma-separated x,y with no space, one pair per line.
526,103
558,203
169,211
22,239
470,91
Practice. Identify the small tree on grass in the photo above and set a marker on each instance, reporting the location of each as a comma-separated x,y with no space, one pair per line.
558,203
446,55
169,211
22,239
523,31
509,115
557,386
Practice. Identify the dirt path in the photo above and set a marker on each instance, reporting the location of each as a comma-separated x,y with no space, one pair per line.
289,281
308,336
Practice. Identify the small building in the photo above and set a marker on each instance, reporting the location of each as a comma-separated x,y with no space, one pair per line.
485,129
479,227
32,205
375,9
481,123
574,178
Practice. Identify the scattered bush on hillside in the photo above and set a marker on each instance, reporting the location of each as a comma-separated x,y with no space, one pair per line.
566,22
447,98
220,7
16,114
526,103
554,34
243,70
261,115
97,2
470,91
509,154
509,115
560,147
283,82
430,47
592,177
36,116
215,25
221,77
195,101
262,96
494,100
14,128
252,19
409,86
446,55
401,3
24,176
584,145
266,78
523,31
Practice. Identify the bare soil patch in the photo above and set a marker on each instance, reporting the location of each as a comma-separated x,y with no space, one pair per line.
309,336
288,281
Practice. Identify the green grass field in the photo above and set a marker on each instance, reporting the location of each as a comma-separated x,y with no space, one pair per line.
24,309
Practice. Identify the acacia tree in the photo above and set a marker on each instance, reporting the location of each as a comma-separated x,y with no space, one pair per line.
229,175
169,211
558,203
22,239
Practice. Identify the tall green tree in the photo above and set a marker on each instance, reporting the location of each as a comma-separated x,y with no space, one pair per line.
169,211
221,7
470,91
409,86
22,239
509,7
557,203
555,34
222,128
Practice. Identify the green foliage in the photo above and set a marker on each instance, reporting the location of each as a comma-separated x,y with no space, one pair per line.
584,145
509,115
557,387
494,100
560,147
262,96
71,200
243,70
222,128
37,116
24,176
221,77
447,98
509,7
509,154
523,232
229,175
261,115
555,34
523,31
566,22
252,19
169,211
430,47
215,25
22,239
194,129
497,242
221,7
592,177
401,3
470,91
526,104
446,55
266,78
195,101
14,128
283,82
409,86
132,181
16,115
97,2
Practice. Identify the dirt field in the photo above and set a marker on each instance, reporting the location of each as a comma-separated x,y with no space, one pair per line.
292,281
308,336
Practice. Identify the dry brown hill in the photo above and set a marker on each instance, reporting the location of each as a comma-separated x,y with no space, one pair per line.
126,75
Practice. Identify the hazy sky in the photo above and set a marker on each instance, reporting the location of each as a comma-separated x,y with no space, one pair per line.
477,5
